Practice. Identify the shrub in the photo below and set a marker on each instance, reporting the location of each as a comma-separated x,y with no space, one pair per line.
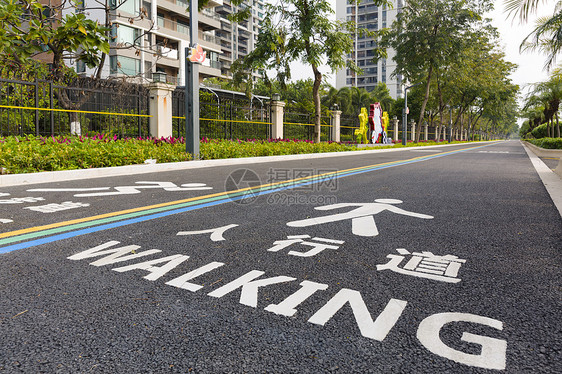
547,143
33,154
540,131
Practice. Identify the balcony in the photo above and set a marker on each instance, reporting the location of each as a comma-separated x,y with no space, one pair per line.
215,64
209,13
224,9
209,38
167,52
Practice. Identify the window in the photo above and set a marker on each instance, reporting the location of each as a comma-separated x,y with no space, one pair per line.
80,66
129,6
126,35
124,65
183,27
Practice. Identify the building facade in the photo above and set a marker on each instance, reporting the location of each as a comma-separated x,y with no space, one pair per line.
369,16
150,36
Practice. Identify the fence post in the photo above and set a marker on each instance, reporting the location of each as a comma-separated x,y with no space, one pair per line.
426,132
413,131
277,119
36,106
51,113
336,125
395,135
160,108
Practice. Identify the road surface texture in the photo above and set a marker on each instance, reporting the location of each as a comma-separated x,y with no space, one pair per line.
438,260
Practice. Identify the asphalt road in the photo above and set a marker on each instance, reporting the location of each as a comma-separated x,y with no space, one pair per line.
442,260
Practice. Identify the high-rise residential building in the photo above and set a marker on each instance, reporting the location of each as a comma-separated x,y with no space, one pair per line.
238,39
159,30
368,15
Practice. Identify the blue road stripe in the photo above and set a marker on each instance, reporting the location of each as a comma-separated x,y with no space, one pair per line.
72,234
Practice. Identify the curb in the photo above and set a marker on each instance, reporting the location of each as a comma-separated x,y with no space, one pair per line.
541,152
70,175
552,182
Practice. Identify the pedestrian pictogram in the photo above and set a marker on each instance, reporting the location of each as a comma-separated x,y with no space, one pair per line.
362,217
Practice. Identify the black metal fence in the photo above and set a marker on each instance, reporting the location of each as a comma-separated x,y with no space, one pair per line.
298,125
348,125
224,115
44,108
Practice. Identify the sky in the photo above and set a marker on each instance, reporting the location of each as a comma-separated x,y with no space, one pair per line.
530,65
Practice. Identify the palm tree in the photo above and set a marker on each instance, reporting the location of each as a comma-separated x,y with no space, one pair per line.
547,35
550,94
360,98
381,94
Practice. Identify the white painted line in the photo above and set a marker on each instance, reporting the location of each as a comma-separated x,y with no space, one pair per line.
551,181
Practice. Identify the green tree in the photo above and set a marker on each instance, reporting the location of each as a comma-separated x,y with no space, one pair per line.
547,95
29,28
301,30
430,34
547,34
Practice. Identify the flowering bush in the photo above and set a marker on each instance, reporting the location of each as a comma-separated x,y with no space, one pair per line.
32,154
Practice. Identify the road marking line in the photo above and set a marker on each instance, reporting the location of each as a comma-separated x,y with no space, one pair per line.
181,206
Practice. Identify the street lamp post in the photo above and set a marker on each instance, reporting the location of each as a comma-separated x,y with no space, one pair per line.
192,86
405,115
450,132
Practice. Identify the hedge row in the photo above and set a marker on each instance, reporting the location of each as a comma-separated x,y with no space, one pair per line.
547,143
33,154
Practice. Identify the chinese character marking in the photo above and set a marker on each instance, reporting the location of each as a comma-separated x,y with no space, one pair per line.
362,217
216,234
21,200
316,247
51,208
128,190
425,265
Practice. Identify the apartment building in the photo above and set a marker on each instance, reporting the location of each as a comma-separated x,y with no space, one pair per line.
238,39
369,16
159,30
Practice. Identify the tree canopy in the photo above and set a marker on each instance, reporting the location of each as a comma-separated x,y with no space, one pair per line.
300,30
449,50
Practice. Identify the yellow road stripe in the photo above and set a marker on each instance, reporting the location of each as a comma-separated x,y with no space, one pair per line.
101,216
74,111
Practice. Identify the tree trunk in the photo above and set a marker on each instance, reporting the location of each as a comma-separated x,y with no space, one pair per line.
425,100
438,131
557,126
317,107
